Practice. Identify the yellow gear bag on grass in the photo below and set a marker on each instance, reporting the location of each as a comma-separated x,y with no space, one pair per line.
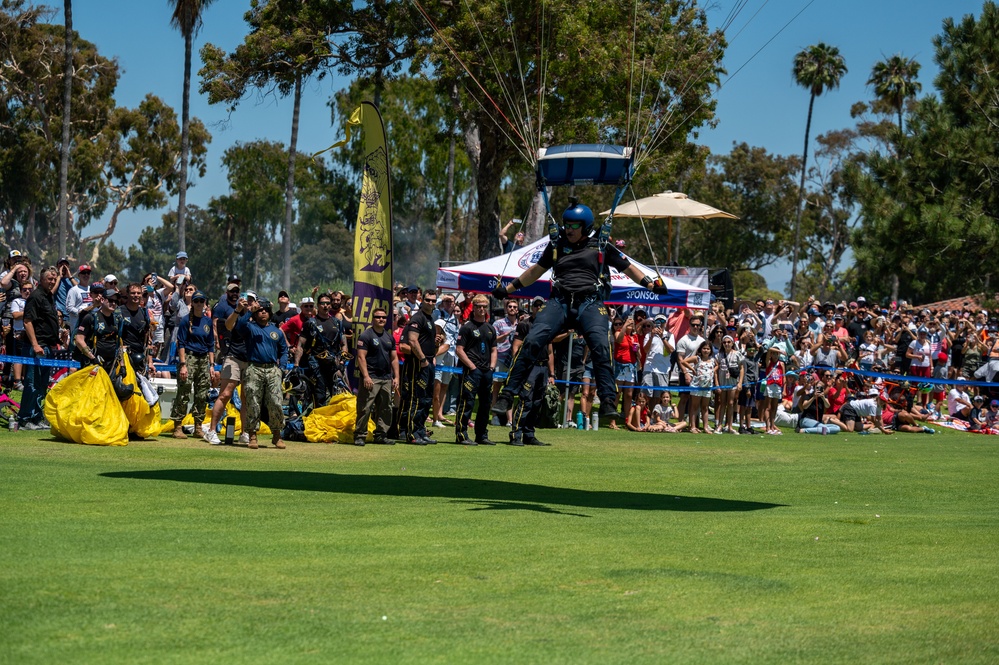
143,420
335,421
230,410
84,409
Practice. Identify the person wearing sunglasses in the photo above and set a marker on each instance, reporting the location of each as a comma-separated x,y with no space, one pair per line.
195,364
476,352
580,276
378,363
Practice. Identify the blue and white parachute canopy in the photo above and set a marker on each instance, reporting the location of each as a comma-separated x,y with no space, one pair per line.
584,164
480,277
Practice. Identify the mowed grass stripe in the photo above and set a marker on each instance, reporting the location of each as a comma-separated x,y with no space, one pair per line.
608,547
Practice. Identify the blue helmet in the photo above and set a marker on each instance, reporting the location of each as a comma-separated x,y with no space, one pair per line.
579,213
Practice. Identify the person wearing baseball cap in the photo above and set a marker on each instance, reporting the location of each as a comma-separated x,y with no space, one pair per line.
266,348
283,312
195,364
295,324
179,272
78,297
233,358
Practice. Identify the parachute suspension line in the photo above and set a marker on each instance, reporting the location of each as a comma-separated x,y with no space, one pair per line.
631,75
654,134
524,152
643,135
542,70
507,94
468,71
526,122
661,139
645,230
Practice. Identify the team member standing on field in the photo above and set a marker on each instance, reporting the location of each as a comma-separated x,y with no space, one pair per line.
378,363
195,364
232,357
265,348
418,372
476,352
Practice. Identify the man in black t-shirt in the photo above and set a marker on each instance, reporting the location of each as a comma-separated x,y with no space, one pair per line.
137,330
476,351
378,363
41,328
580,274
322,343
418,373
96,336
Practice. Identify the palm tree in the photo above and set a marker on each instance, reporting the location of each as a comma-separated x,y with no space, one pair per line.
817,68
187,18
894,81
67,99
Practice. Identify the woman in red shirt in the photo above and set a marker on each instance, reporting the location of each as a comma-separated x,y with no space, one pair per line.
625,361
836,393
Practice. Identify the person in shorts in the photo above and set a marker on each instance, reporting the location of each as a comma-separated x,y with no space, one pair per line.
746,396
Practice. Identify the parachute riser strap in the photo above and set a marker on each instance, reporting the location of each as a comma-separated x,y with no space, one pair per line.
553,229
605,228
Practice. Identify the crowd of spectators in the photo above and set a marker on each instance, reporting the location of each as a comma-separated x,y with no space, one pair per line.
756,367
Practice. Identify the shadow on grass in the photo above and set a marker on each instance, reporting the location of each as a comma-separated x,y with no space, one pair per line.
495,494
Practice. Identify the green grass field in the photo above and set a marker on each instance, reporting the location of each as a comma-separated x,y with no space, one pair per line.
605,548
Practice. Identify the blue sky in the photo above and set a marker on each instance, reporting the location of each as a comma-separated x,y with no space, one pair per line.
760,104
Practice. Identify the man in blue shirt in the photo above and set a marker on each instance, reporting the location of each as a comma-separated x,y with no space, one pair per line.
195,364
266,347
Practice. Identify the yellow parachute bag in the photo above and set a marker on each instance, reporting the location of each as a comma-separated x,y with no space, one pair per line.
143,420
230,410
335,421
84,409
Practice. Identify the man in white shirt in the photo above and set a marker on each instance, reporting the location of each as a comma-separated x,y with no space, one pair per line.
444,316
658,346
686,347
958,403
78,296
855,411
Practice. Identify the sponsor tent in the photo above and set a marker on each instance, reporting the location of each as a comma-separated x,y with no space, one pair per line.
480,276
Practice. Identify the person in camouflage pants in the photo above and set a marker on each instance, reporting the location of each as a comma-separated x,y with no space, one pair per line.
195,364
263,388
266,346
199,371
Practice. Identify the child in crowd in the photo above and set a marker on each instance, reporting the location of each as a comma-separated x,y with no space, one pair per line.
702,373
773,389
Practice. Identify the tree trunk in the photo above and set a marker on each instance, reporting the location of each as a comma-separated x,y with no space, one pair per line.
487,189
801,197
289,192
536,225
67,101
449,203
184,147
466,247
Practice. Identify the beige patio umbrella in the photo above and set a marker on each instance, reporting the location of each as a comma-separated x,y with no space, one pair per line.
668,205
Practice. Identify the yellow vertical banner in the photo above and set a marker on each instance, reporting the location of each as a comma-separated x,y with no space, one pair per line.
373,231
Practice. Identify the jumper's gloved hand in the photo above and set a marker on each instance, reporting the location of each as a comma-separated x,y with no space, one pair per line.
656,285
500,292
